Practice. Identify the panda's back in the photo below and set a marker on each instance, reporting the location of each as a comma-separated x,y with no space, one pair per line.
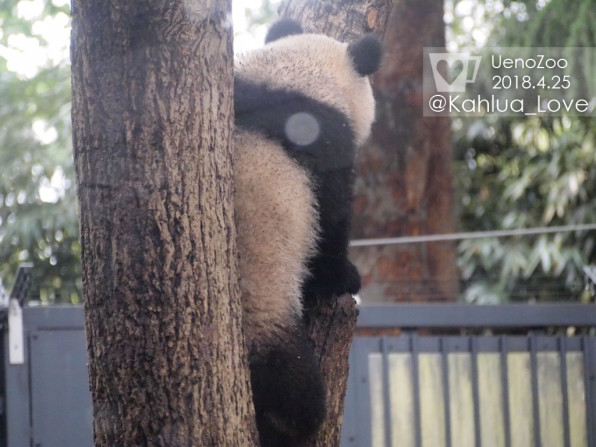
317,135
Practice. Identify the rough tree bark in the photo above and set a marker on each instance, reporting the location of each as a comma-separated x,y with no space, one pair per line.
404,183
152,130
344,20
332,323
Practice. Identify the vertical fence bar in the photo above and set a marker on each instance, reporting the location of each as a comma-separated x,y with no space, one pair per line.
446,393
351,420
415,349
386,394
564,389
535,397
589,351
362,348
476,391
505,389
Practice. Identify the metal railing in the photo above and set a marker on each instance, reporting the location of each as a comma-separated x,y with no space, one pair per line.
473,376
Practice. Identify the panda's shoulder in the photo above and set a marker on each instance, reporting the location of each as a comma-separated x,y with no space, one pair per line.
259,106
287,116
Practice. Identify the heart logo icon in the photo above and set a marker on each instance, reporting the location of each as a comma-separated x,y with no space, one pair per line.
450,71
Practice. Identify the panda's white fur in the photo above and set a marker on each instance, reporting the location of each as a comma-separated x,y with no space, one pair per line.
277,228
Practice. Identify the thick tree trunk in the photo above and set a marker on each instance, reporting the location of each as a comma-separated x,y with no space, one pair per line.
404,181
332,323
152,129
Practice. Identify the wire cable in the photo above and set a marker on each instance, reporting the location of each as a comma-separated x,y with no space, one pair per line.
470,235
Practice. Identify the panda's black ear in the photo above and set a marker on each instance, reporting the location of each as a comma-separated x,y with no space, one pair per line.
366,53
283,28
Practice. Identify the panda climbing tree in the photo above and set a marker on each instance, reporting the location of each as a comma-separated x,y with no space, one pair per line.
303,105
166,325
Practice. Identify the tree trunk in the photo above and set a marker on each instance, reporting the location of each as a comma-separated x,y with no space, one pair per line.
344,20
331,327
152,130
332,323
404,181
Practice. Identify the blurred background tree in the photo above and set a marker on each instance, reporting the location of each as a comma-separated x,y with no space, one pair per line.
522,172
510,172
404,178
38,220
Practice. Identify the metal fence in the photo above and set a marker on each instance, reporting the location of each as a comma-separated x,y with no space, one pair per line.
473,376
45,394
439,376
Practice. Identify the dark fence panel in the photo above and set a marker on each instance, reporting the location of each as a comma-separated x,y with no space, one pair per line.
47,402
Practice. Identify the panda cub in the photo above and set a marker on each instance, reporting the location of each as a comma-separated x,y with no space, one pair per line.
303,104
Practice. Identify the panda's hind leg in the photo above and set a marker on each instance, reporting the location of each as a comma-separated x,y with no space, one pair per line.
288,391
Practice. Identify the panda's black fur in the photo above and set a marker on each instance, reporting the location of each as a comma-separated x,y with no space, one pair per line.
311,232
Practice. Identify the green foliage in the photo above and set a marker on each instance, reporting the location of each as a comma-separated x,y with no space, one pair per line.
38,221
521,174
264,15
559,23
529,172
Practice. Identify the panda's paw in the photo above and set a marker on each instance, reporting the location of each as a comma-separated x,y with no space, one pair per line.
331,277
352,279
